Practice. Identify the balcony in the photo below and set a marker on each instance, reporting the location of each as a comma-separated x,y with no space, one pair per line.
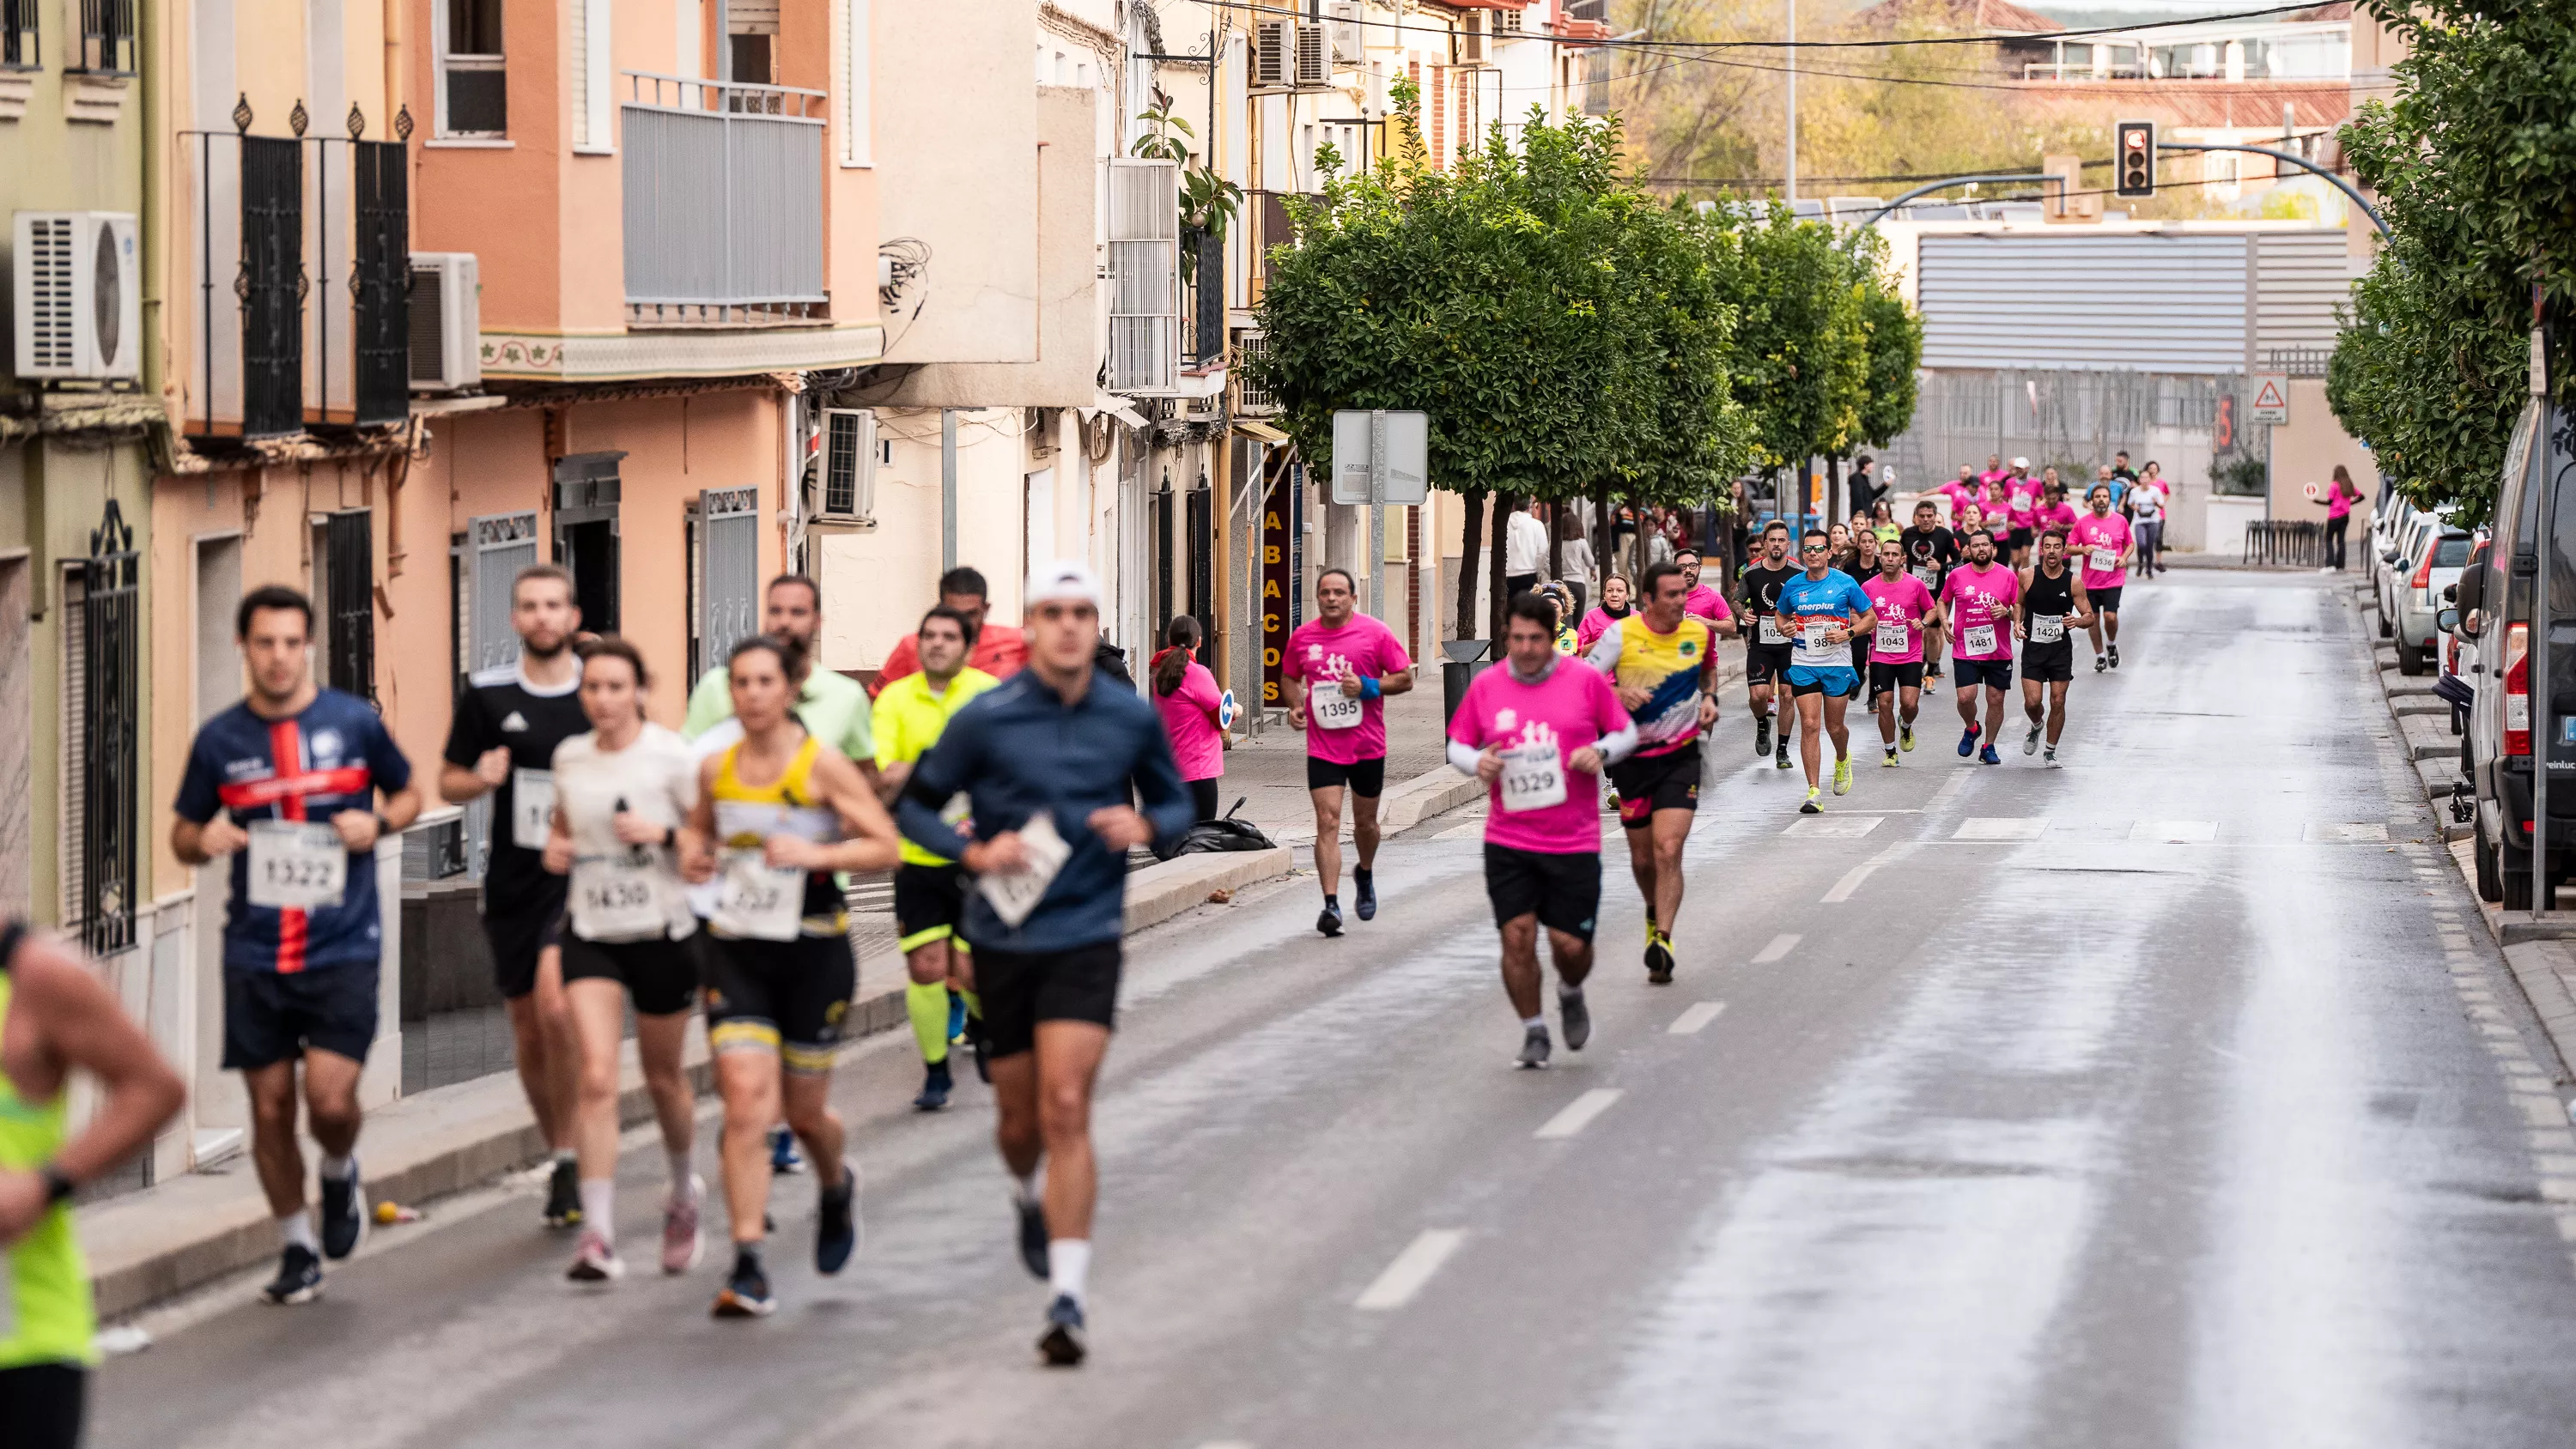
724,204
300,254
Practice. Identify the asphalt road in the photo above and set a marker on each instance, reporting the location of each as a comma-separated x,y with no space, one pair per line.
2155,1100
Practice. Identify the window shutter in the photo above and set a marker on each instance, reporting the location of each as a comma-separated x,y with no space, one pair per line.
853,100
1144,274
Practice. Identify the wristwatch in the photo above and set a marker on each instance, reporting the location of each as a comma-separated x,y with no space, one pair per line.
58,1184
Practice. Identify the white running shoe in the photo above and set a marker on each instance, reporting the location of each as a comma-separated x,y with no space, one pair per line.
595,1261
682,1241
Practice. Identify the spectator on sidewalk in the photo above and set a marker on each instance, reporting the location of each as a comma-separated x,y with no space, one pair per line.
1191,704
2341,495
1524,551
997,649
1574,559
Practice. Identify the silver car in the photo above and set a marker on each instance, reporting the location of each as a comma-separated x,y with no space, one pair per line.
2430,564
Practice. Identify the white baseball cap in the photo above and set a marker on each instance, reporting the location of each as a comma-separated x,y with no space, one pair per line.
2021,462
1063,582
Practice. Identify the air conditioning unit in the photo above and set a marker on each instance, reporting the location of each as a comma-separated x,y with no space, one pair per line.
1274,55
1349,38
849,466
1467,42
446,322
1314,61
1507,22
79,296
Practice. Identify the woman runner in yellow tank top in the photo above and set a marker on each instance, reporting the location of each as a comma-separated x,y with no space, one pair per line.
783,811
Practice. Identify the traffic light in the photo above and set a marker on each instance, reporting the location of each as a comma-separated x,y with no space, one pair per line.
2133,159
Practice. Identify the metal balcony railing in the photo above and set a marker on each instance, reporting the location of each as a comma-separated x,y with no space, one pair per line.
2080,70
724,203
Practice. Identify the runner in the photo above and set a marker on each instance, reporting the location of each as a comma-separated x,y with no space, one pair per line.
285,783
1048,761
56,1016
997,649
1822,610
1961,491
1766,651
1908,619
1614,606
930,893
1665,669
1930,552
1977,602
1702,602
2023,493
2100,540
2145,505
2054,511
784,812
1995,472
2052,598
1538,732
1340,666
2002,507
501,741
623,792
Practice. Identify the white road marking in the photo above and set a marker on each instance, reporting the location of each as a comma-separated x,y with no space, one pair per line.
1578,1114
1411,1269
2001,827
1833,827
1949,790
1463,830
1780,946
2174,832
2370,832
1690,1022
1852,878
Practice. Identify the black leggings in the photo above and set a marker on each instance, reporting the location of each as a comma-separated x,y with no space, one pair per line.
41,1403
2334,541
1203,797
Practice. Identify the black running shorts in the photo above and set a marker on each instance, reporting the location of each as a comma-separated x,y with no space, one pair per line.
519,935
1992,673
929,902
1564,891
2048,663
660,973
42,1404
272,1017
1885,675
2019,539
1367,778
788,997
2105,600
1019,989
1765,663
1648,783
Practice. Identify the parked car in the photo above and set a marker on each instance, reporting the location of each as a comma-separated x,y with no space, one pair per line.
2500,735
2430,566
2385,526
2397,564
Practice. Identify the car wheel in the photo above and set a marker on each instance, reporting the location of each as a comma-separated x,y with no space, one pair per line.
2490,882
2513,868
2411,661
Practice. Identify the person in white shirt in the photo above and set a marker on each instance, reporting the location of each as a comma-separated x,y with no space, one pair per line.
2146,505
1524,551
1574,560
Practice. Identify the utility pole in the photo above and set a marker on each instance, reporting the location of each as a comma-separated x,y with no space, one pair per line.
1792,172
947,489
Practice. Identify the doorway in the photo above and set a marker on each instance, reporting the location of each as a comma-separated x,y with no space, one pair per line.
587,491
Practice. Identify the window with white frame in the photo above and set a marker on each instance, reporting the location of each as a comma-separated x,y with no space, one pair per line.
852,103
473,81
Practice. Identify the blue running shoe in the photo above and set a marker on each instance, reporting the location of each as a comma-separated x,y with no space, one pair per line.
1062,1341
1987,756
784,1159
836,1224
344,1214
1364,893
1968,742
956,1019
1033,1237
746,1290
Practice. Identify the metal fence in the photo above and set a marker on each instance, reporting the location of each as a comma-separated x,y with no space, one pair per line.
724,202
2285,542
103,759
2072,420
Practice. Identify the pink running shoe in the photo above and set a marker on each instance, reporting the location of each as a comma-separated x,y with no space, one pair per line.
681,1239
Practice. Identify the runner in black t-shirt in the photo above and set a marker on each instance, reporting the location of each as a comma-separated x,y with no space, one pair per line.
1930,550
1766,649
502,741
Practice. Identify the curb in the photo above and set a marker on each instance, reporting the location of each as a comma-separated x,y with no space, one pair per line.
148,1246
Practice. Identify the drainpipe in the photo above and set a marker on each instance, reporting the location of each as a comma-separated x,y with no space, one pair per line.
947,489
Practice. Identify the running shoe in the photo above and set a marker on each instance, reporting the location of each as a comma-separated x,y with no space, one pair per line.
2100,664
1659,961
784,1159
1577,1018
1533,1055
1761,735
1811,807
1033,1237
1968,742
1062,1344
1781,758
344,1214
1364,893
682,1241
299,1277
563,1195
1987,756
746,1291
2050,759
1329,919
2030,744
1842,775
595,1261
982,1048
1905,738
1890,761
956,1019
935,1085
2115,655
836,1224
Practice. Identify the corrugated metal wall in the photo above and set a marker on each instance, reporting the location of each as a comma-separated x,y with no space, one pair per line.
2301,279
2141,303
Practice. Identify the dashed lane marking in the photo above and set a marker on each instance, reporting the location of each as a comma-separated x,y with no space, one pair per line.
1780,946
2001,827
1578,1114
1852,879
2174,832
1833,827
1690,1022
1411,1269
2359,832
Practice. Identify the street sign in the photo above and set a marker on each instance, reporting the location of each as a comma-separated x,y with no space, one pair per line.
1381,456
1225,701
2271,398
2311,490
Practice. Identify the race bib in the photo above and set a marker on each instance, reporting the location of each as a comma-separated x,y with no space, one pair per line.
296,864
1533,778
1927,573
1333,710
1015,895
614,899
1771,630
1978,640
2103,561
1813,652
532,808
758,900
1814,640
2047,628
1894,638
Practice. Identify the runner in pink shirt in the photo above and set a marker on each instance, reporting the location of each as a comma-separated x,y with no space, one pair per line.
1612,608
1702,602
1961,491
1995,472
1904,607
1539,729
2054,511
1977,599
2100,541
1340,666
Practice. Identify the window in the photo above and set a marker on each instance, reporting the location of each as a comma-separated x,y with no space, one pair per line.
476,89
100,784
593,83
106,38
852,103
345,593
18,29
751,35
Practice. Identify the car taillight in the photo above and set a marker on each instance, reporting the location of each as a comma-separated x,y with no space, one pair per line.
2517,690
2424,571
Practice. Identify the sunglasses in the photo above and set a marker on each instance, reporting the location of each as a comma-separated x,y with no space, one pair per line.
1816,548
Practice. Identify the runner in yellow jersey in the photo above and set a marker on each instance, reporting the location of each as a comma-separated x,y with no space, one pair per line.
1660,660
55,1016
929,891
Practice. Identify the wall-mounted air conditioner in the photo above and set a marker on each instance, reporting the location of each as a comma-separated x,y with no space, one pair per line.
1314,61
1467,42
849,466
1342,24
1274,55
79,296
446,322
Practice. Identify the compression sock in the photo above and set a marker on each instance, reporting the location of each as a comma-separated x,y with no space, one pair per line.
974,1004
927,1005
599,1208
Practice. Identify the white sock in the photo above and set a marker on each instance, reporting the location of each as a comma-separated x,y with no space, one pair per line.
295,1230
1569,993
1068,1263
683,1174
339,1166
1539,1021
599,1207
1024,1187
566,1154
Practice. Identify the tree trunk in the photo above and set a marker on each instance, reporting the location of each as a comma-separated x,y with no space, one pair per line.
1637,550
1498,596
1834,510
1556,540
1606,548
1469,557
